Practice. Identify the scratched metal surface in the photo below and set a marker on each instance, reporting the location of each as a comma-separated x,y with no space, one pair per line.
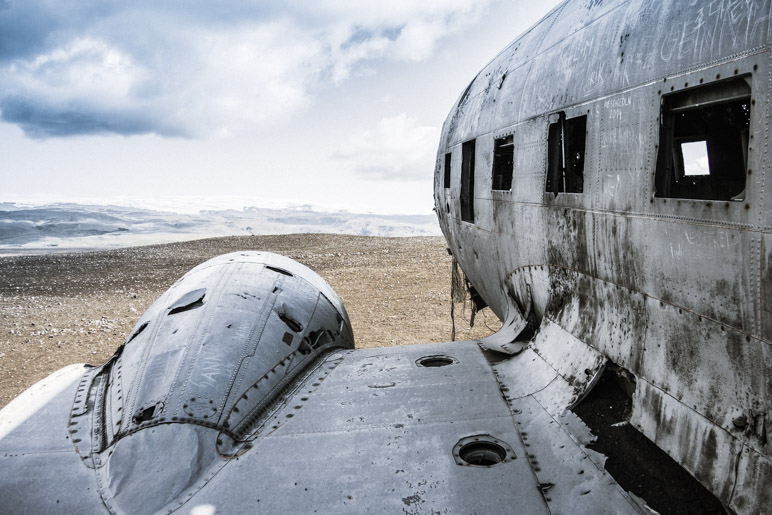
675,291
377,436
367,430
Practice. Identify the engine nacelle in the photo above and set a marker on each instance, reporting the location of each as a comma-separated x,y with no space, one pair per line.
198,374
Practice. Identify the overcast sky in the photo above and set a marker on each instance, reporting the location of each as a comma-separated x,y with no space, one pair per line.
333,103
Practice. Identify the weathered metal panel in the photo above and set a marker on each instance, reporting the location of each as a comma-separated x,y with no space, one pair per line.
524,375
712,267
627,134
530,152
479,247
373,388
377,470
600,261
539,384
672,36
572,67
575,361
763,181
681,346
577,17
574,482
530,282
503,340
483,182
156,470
754,475
41,472
709,453
620,252
765,286
603,315
377,435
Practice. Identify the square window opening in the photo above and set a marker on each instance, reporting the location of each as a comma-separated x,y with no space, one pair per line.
503,163
467,181
703,143
565,154
446,183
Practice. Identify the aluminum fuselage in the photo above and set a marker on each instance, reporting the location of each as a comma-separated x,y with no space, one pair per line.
674,290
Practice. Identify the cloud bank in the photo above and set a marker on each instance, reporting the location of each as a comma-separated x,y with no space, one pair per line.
194,68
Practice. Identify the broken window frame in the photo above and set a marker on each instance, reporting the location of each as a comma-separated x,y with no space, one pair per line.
503,166
446,171
685,117
466,198
566,151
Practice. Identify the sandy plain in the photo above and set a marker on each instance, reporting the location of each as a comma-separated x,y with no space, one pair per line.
63,308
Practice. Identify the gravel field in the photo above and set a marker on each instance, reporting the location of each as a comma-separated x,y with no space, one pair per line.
57,309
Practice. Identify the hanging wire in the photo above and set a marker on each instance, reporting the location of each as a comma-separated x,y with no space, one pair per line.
457,294
485,321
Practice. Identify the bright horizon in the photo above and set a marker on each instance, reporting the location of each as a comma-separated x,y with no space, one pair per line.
337,105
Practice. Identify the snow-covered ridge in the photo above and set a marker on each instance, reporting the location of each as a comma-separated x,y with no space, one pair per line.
74,225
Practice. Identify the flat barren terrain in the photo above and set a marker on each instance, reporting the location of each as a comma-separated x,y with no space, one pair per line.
58,309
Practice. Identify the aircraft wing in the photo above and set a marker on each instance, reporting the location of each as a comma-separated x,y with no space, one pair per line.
371,430
434,427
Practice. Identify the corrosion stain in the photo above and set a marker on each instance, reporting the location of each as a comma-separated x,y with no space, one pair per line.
567,239
736,350
723,289
681,355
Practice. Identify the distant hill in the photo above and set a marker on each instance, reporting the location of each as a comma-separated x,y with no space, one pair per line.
72,226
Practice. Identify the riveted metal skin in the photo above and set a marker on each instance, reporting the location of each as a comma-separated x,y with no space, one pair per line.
331,430
238,391
676,291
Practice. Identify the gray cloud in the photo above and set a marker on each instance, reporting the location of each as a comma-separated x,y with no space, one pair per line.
23,31
190,68
41,121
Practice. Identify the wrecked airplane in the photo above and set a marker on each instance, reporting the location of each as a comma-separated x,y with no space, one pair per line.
604,178
601,183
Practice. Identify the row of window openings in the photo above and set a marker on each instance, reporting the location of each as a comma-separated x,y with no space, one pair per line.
702,152
565,169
